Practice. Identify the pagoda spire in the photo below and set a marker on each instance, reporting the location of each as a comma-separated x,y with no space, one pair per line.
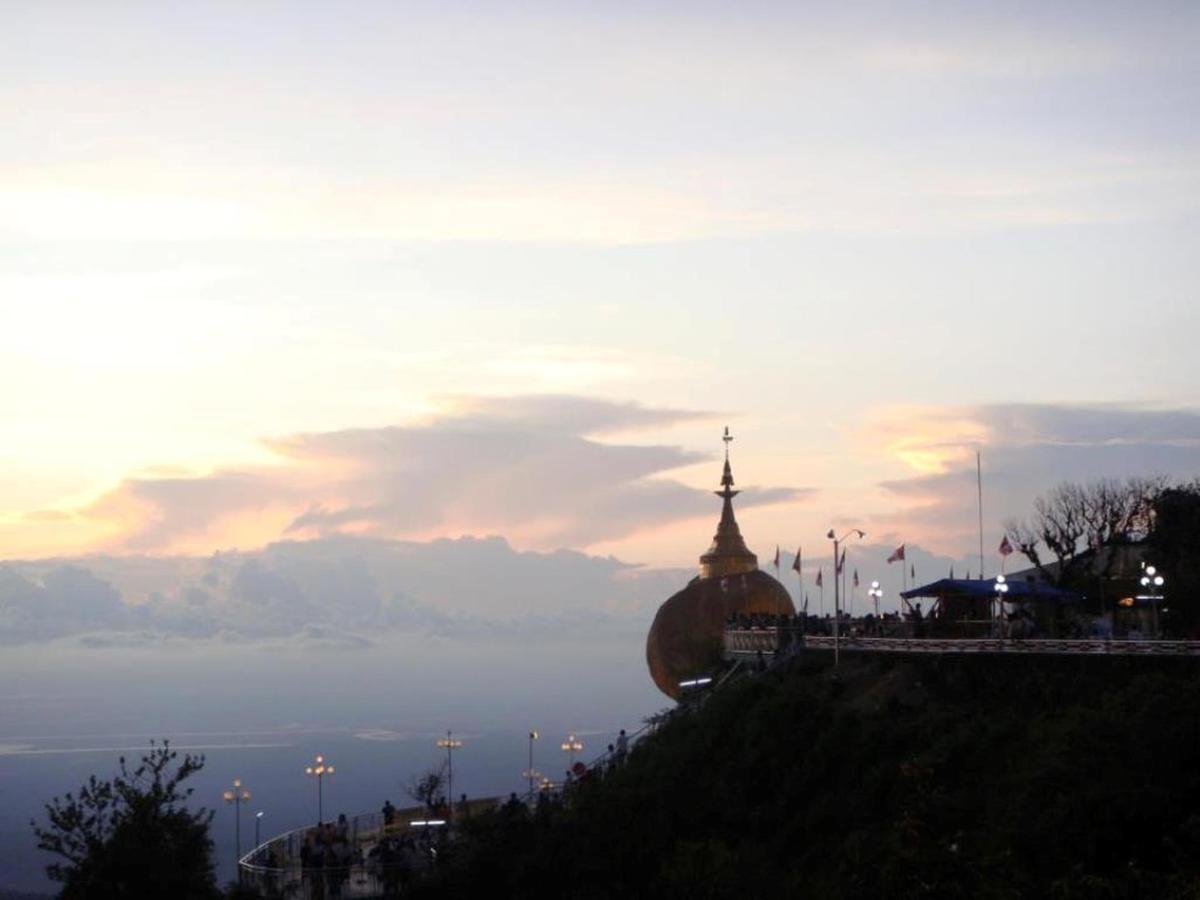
728,553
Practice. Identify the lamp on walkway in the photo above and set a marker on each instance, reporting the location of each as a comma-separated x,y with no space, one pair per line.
1152,583
237,796
571,746
320,770
450,743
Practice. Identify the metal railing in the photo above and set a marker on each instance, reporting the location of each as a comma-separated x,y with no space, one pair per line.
745,642
365,857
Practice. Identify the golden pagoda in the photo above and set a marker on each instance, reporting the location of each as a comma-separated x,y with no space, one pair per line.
685,638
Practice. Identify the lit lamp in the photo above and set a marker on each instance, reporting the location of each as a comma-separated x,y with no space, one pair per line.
531,773
571,746
257,819
1001,593
449,743
1152,583
876,594
320,770
237,796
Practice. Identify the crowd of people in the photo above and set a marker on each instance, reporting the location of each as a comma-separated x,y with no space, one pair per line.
891,624
327,855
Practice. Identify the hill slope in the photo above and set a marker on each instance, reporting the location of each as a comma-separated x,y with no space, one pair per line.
894,777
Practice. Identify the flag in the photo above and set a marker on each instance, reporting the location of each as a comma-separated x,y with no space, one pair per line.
818,577
841,564
796,562
912,571
952,573
806,603
898,553
1005,547
856,577
776,559
968,574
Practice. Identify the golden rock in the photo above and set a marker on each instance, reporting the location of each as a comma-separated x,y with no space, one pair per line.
685,638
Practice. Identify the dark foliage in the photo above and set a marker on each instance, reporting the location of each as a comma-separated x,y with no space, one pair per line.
893,778
133,836
1174,545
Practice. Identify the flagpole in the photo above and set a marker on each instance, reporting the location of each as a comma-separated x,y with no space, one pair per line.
979,484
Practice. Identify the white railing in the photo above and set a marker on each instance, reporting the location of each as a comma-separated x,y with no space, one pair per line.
769,640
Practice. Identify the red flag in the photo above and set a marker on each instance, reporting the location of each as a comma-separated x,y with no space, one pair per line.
1005,547
898,553
856,577
796,562
841,564
776,563
818,577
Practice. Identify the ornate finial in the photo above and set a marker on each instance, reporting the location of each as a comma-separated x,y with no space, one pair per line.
727,475
728,554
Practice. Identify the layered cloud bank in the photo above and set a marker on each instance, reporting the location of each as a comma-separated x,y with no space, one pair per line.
532,468
331,592
1026,449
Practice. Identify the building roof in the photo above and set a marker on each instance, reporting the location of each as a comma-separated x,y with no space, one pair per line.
1018,591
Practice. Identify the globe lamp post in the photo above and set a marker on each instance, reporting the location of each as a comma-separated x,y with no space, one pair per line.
449,743
1152,584
876,594
319,769
531,773
1001,592
571,746
237,796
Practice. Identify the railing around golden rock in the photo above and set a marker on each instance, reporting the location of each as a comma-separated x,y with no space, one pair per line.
1091,646
376,859
769,640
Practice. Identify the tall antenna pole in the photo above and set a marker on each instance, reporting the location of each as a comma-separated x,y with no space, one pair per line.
979,484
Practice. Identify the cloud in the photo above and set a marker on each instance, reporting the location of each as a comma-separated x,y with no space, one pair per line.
531,468
1026,449
332,593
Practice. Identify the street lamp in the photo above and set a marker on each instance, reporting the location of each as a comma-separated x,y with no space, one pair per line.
1001,592
450,743
237,796
571,746
1152,583
837,570
876,594
257,820
320,770
531,773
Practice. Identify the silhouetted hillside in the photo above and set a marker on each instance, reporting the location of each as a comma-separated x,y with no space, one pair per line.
893,777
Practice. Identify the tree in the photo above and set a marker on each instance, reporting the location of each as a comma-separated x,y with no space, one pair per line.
132,836
427,788
1071,519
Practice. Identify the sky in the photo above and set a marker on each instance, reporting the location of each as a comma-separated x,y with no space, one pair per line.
286,271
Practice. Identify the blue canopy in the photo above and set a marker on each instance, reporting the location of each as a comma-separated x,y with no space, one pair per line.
1018,591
